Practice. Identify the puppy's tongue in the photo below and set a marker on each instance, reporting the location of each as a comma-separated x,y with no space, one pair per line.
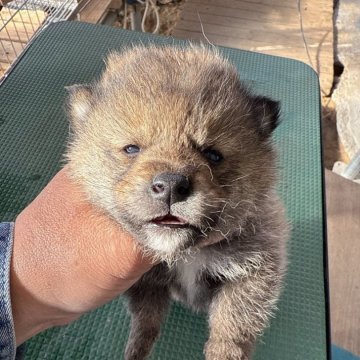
169,220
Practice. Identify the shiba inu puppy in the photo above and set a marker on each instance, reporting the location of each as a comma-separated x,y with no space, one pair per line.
172,146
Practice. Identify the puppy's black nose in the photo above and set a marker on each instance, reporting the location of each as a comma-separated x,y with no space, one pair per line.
170,188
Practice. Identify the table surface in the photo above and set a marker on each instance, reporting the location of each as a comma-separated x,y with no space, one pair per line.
33,132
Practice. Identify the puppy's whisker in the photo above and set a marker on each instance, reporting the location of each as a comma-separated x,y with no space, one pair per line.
210,205
211,174
226,185
207,217
241,177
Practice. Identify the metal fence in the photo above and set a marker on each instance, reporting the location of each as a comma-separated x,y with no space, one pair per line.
21,21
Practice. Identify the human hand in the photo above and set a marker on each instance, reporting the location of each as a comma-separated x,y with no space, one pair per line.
68,258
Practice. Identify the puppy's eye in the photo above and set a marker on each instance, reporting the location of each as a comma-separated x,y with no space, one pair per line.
131,149
213,155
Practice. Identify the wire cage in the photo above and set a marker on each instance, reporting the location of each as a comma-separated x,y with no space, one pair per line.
21,21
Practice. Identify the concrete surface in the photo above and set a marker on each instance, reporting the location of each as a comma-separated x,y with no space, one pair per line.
347,94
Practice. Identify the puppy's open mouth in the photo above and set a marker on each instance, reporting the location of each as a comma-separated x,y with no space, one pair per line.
170,221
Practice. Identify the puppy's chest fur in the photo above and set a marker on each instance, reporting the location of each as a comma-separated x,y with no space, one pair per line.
193,283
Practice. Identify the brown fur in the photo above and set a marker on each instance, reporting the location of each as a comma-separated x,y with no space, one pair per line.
175,103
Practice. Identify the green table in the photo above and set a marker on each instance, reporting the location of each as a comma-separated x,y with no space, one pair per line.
33,131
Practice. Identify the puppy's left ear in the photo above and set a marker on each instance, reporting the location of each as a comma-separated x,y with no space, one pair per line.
267,114
79,104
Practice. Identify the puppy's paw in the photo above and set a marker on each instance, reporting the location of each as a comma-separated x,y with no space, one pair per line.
136,351
224,350
135,355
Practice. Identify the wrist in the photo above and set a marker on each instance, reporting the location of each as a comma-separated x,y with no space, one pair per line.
33,306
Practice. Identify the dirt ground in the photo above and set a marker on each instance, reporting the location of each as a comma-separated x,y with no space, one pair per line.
169,14
332,147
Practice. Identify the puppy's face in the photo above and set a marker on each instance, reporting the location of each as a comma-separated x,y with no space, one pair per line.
172,146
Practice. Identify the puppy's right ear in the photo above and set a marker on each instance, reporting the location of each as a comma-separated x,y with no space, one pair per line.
79,104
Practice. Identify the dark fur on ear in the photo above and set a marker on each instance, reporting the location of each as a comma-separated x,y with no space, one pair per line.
267,113
78,104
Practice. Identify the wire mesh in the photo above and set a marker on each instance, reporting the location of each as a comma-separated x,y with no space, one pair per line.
22,20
